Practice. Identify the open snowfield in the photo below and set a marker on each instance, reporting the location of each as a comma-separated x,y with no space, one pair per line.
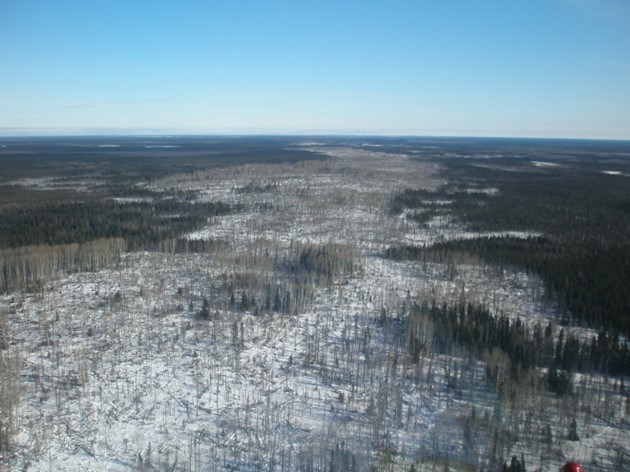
117,370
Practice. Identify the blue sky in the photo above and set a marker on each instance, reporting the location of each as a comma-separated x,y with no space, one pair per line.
546,68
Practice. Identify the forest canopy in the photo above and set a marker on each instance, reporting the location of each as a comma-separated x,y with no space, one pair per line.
577,211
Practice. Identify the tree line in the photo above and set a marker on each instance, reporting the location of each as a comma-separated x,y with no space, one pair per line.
143,224
489,337
588,281
27,267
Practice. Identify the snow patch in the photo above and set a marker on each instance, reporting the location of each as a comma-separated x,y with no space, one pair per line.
544,164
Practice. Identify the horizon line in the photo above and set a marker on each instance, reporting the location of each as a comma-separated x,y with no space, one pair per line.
10,132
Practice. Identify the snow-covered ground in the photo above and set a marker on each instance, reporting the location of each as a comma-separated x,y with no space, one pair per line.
117,371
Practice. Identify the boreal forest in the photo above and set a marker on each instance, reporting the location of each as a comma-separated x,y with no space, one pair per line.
314,303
